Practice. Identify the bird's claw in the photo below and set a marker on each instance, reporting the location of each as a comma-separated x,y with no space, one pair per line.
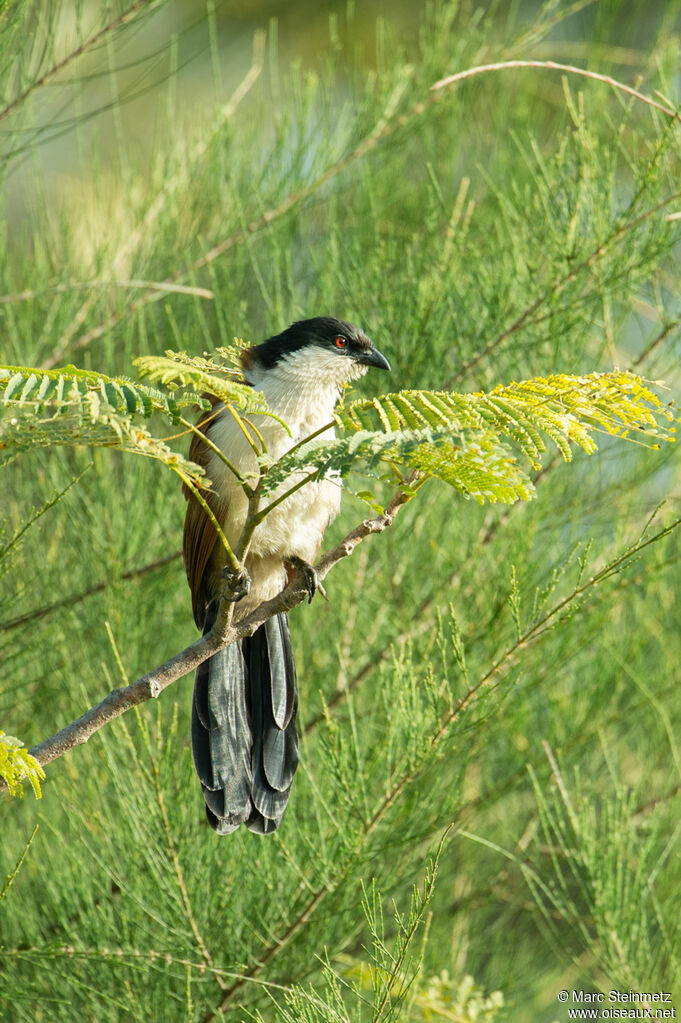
311,580
237,584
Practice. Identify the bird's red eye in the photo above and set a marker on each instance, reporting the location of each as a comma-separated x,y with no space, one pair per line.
341,342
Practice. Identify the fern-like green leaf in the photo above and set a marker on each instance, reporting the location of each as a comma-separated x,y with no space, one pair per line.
480,469
204,375
470,440
483,471
566,409
16,763
78,407
54,388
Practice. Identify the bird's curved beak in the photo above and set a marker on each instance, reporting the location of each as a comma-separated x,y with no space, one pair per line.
372,357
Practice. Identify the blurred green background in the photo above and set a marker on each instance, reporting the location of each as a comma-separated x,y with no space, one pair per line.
293,161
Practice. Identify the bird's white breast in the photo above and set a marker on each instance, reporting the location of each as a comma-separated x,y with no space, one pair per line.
301,389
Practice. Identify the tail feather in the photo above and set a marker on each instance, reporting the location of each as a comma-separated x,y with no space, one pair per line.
221,736
271,653
244,735
280,652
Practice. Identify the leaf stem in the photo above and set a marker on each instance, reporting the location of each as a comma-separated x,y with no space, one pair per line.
231,557
246,487
264,512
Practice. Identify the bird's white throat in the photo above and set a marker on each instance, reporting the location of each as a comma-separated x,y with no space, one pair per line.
304,386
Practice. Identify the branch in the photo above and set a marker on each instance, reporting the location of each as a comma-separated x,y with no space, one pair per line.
152,684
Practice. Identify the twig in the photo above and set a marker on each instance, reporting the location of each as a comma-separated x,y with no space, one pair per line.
198,496
56,289
657,341
205,439
551,65
10,877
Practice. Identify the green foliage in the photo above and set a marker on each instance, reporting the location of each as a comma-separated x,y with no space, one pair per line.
522,226
603,856
389,983
17,763
72,407
219,379
381,987
459,438
566,408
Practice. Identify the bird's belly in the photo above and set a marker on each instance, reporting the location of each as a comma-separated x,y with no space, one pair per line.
293,529
296,526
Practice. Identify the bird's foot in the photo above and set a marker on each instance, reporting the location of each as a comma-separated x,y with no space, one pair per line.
310,578
237,584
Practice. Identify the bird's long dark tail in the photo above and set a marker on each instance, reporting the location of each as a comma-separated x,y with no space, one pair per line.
244,728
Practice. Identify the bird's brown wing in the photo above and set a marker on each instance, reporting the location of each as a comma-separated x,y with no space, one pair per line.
199,538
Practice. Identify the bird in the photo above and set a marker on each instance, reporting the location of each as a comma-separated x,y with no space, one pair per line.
245,700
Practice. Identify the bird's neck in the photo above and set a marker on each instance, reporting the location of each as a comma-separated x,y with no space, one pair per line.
302,393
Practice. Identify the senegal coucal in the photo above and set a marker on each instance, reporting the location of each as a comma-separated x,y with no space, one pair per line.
244,736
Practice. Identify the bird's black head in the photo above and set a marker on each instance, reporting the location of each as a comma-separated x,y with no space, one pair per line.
322,334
